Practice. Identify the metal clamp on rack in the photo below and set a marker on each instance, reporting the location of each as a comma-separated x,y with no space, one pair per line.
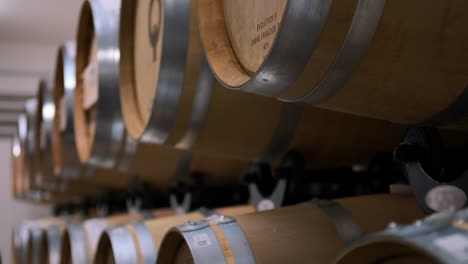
438,179
181,190
140,198
268,190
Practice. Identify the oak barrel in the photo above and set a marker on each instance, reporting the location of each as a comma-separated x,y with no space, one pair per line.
65,157
439,238
295,234
371,58
66,163
99,130
169,96
29,237
79,243
44,124
18,166
30,145
143,239
51,246
19,243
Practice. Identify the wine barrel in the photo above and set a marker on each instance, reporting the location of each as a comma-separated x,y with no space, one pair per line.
99,130
440,238
80,240
310,231
32,237
20,241
46,178
169,96
65,157
66,162
18,158
51,246
30,145
141,240
371,58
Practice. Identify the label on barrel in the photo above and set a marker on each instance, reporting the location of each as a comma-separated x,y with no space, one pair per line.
201,240
456,245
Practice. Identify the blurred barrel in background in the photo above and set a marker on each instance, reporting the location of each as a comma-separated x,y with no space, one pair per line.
142,240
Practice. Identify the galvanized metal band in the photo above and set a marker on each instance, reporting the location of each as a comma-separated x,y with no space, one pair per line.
200,106
360,34
126,157
109,123
284,133
30,110
48,114
291,51
346,226
79,247
239,245
54,240
23,242
148,247
123,246
172,71
438,237
205,246
36,240
71,166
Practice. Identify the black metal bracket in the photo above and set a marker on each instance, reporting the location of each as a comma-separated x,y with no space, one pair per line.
270,190
183,205
429,168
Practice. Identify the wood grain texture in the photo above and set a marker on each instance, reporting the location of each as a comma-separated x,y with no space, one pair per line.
414,66
252,27
142,27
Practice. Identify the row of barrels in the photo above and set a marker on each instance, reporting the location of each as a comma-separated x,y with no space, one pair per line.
124,102
333,231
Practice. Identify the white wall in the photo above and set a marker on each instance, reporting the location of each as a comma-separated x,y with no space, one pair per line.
12,211
30,32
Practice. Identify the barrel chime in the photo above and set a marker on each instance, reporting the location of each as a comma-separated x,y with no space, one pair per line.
150,159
